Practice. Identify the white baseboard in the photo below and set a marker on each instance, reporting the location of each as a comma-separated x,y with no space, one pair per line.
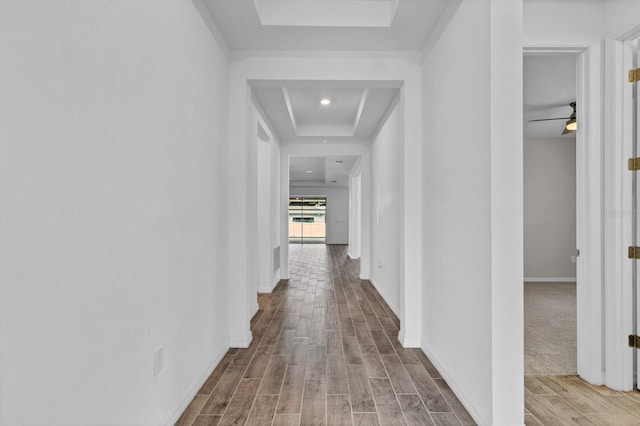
352,257
409,342
240,342
394,309
549,280
454,387
194,390
269,289
363,276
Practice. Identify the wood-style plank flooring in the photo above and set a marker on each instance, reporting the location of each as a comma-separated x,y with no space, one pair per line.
568,400
324,352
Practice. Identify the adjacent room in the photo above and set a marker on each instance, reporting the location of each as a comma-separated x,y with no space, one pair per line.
319,199
550,215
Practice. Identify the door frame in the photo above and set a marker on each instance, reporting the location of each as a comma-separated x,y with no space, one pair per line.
619,212
589,205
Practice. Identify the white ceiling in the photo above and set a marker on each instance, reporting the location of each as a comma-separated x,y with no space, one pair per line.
358,109
355,114
325,171
549,87
316,25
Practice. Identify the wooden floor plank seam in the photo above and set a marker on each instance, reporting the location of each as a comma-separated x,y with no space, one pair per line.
323,310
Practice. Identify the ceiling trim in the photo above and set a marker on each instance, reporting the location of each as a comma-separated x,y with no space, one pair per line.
292,115
292,108
263,119
329,84
392,106
205,14
363,100
326,13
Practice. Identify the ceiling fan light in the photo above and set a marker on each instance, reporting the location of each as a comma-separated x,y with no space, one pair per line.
572,125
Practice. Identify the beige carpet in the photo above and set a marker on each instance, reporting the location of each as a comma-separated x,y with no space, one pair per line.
550,328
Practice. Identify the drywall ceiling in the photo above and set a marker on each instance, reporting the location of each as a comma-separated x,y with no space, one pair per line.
320,171
549,87
355,114
328,24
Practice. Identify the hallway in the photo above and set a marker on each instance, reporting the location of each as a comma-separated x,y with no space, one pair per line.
324,351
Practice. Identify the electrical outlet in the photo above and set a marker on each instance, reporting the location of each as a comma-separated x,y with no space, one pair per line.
157,360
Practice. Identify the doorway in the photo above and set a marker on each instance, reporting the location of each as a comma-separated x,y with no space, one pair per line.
549,176
590,325
307,220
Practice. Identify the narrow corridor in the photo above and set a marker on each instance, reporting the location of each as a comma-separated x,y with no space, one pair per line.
324,352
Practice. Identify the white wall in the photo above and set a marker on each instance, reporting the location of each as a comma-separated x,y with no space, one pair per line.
245,205
472,209
621,16
268,212
355,210
386,209
337,210
274,220
561,22
263,216
113,239
549,208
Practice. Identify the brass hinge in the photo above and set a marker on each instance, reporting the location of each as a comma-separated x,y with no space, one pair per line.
634,252
634,75
634,164
634,341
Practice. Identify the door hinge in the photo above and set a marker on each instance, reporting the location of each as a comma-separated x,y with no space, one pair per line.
634,75
634,164
634,341
634,252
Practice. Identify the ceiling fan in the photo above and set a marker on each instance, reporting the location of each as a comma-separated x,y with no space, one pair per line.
570,126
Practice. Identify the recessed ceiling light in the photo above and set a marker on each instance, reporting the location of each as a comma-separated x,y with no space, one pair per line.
309,171
325,101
